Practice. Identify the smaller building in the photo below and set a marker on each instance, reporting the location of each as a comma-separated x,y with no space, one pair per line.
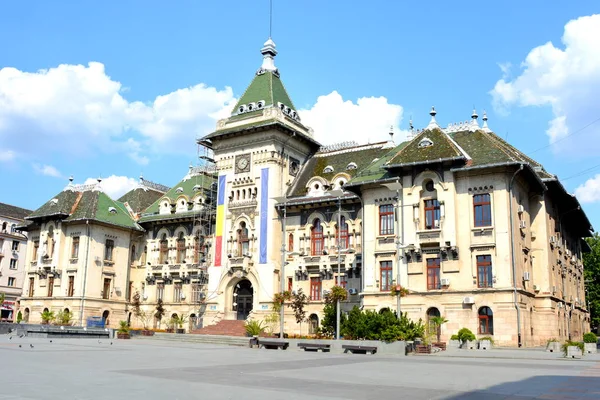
13,247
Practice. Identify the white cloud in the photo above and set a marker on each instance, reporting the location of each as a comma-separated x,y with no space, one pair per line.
47,170
115,186
7,155
567,80
589,192
79,109
369,119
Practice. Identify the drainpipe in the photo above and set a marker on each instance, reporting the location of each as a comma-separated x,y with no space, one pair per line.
87,255
512,250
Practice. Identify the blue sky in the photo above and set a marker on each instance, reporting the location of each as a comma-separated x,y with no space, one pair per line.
161,75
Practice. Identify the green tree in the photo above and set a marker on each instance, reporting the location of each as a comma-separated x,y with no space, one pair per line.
328,323
591,265
298,302
160,311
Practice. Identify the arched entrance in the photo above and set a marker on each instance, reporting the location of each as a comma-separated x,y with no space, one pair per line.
431,314
105,320
243,297
313,324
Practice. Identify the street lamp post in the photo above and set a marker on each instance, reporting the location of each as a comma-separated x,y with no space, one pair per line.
397,186
338,193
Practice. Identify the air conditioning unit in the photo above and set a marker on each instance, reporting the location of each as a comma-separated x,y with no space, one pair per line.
325,293
522,224
521,209
469,300
526,276
536,288
353,291
445,281
182,296
97,259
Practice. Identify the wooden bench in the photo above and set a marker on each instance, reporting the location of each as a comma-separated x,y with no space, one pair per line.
359,349
273,344
315,346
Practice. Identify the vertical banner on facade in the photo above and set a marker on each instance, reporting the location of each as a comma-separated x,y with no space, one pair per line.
220,221
264,214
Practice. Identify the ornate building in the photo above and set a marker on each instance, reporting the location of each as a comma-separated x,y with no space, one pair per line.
13,246
471,227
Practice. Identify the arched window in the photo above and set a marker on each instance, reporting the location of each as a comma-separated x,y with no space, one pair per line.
196,249
291,242
13,228
243,241
486,321
163,249
180,248
313,326
132,255
432,313
50,241
145,255
4,224
316,238
342,234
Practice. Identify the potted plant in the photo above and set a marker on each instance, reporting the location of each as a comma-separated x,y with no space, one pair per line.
177,323
486,343
467,339
47,317
63,318
123,331
454,342
590,343
553,346
572,349
437,323
19,317
254,329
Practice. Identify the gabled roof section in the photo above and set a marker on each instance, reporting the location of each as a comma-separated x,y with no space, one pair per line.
361,155
6,210
197,180
428,146
375,171
59,205
95,205
143,195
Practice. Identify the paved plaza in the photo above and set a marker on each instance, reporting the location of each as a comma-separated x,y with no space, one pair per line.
157,369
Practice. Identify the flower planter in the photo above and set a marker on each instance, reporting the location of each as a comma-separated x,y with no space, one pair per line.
469,345
553,347
180,331
170,330
454,344
441,345
590,348
423,349
147,332
574,352
485,345
123,335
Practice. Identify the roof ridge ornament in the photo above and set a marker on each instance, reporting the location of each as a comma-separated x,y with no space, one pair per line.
474,124
433,123
269,52
485,127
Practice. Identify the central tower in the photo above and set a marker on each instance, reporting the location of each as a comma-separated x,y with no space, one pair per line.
259,150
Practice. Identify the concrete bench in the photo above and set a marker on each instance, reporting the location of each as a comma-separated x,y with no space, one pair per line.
315,346
273,344
359,349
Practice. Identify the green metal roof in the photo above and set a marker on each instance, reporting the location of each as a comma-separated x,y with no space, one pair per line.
61,204
268,87
140,198
413,152
184,188
97,206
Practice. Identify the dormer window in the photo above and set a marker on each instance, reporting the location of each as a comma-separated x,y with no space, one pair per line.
328,169
425,142
196,188
112,210
351,166
260,104
179,190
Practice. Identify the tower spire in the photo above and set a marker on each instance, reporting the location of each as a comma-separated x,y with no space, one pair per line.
269,52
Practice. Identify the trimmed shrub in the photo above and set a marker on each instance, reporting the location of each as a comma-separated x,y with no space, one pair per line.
569,343
590,337
454,337
465,335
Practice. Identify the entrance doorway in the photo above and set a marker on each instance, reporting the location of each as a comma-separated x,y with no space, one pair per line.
243,296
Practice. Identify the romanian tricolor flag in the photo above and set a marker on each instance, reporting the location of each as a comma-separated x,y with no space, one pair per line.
220,221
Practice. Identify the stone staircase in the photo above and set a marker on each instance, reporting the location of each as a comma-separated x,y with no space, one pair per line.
223,328
206,339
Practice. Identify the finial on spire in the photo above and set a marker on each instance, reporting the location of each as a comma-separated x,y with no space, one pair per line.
474,115
141,177
269,52
71,180
485,127
99,179
433,123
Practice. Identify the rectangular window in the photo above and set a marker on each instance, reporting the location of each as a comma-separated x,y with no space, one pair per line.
291,242
386,219
160,291
36,248
433,273
385,276
343,281
432,214
177,293
180,250
164,251
315,288
50,286
144,255
13,263
108,250
31,286
482,209
75,247
71,289
106,289
290,283
15,245
484,271
196,293
11,281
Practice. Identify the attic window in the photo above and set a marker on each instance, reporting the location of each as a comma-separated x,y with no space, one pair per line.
425,142
54,201
179,190
112,210
351,166
196,188
328,169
